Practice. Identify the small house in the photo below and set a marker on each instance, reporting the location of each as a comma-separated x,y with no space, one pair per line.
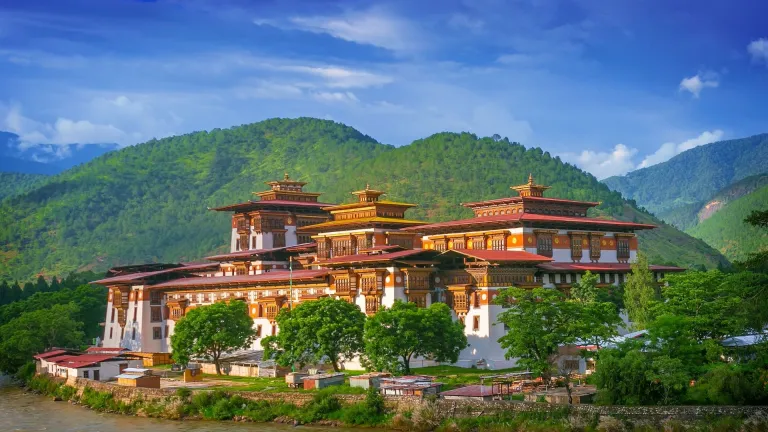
369,380
138,377
321,381
97,367
413,385
295,379
471,392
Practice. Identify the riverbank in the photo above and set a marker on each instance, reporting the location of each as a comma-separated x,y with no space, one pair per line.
406,414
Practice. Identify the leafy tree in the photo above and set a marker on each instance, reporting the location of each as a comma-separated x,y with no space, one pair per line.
758,218
36,331
541,320
211,331
670,374
325,328
641,293
756,261
712,304
621,375
585,290
393,336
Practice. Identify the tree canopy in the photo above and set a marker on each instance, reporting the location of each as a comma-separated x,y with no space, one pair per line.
210,331
394,336
324,329
542,320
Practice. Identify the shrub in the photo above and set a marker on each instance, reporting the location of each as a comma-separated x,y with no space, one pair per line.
26,372
183,393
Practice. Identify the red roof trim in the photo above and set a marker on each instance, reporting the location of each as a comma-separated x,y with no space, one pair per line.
534,217
601,267
243,279
372,258
49,354
85,360
527,217
253,252
267,203
501,255
132,277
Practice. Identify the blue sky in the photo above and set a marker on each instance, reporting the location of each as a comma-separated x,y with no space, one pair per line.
609,85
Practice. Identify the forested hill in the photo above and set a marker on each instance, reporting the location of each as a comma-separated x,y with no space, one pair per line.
148,202
727,232
694,175
16,183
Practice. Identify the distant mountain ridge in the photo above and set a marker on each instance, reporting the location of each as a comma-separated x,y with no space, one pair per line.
694,175
726,231
688,216
148,202
45,159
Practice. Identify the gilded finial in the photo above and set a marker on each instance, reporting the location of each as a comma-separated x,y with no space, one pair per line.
367,186
530,178
285,176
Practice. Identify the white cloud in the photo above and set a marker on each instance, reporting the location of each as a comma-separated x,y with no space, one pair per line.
698,82
339,77
268,90
344,97
604,164
758,49
375,27
466,22
669,150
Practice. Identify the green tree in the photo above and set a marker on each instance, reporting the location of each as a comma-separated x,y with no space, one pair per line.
393,336
621,376
211,331
641,293
541,320
36,331
670,374
585,290
756,261
323,329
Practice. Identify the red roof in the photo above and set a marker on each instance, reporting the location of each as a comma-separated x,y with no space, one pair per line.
532,217
470,391
132,277
84,360
278,276
372,258
268,203
600,267
529,198
49,354
501,255
506,220
501,220
104,350
252,252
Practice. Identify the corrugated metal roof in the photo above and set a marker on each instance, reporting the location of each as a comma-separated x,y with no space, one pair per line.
470,391
500,255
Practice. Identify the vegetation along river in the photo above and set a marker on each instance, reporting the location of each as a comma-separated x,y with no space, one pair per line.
22,412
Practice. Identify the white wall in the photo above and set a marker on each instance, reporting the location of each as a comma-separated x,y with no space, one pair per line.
107,369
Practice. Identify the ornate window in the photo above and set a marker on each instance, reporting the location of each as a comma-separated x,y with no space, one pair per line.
372,304
576,248
278,239
440,245
342,247
406,242
594,247
459,243
544,244
478,243
498,243
157,333
342,285
156,314
622,248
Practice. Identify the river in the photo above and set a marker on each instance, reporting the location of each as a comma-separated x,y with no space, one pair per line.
22,412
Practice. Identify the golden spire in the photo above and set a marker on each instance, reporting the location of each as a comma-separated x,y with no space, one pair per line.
530,189
285,176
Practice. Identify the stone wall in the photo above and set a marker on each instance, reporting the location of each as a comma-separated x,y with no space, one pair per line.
457,408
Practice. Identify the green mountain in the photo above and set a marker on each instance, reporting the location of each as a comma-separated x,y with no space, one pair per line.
690,215
694,175
148,202
16,183
726,231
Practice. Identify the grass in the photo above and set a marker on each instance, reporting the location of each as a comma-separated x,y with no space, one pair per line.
454,376
451,376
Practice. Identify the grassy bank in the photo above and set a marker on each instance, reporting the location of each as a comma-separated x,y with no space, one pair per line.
326,408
